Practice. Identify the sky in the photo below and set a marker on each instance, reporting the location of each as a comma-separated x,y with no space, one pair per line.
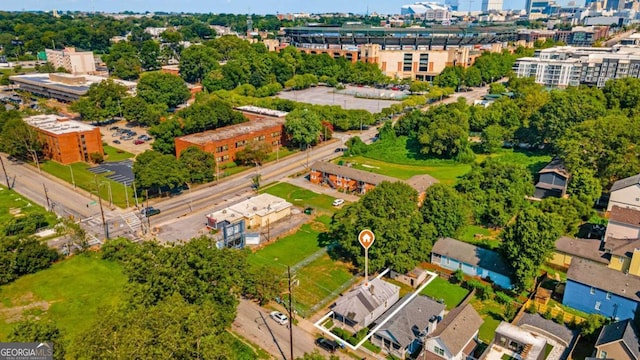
233,6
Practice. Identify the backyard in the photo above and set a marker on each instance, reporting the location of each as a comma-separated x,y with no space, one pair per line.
13,205
451,294
86,180
301,197
69,293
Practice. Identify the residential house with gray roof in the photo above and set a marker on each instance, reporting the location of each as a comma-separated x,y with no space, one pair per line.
455,337
553,180
619,341
363,305
625,193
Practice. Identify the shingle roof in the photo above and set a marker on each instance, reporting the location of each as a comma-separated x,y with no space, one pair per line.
415,315
351,173
622,247
625,215
623,331
361,301
626,182
536,321
556,166
472,255
584,248
600,276
458,327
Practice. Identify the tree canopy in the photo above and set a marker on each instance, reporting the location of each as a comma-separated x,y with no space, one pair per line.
445,208
163,88
304,127
103,101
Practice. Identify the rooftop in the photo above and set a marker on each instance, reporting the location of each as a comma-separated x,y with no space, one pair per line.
625,215
555,166
262,111
57,125
363,300
351,173
537,322
623,331
232,131
584,248
80,85
594,274
472,255
260,205
416,315
626,182
523,337
622,247
458,327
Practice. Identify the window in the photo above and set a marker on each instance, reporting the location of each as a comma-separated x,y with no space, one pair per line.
608,296
438,351
597,307
406,65
603,354
592,291
448,261
424,62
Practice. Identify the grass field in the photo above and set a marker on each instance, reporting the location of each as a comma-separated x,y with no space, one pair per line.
491,313
489,239
69,293
113,154
85,179
279,254
11,201
319,279
440,288
301,197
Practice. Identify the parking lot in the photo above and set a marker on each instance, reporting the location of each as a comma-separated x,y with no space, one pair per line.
346,98
113,137
122,171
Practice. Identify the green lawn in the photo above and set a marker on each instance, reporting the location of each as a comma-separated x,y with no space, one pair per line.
446,172
301,197
281,253
492,313
11,201
86,180
113,154
319,279
488,239
72,289
440,288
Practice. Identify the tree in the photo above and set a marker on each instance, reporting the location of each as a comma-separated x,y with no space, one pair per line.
198,164
157,172
103,101
21,140
445,208
473,77
496,191
262,284
451,76
196,62
162,88
391,212
149,55
304,127
254,152
122,61
585,186
31,331
492,138
497,88
528,242
572,212
21,255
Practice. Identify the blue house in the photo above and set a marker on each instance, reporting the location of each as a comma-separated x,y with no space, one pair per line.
454,254
596,289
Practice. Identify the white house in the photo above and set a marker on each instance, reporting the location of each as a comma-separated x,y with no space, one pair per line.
625,193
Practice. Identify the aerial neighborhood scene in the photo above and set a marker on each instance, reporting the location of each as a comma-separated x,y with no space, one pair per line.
314,180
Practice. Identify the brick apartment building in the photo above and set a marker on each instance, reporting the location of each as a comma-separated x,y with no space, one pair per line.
264,125
346,178
66,141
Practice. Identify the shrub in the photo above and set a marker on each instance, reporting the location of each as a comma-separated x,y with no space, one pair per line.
457,277
503,298
531,309
484,292
559,318
510,312
96,158
547,314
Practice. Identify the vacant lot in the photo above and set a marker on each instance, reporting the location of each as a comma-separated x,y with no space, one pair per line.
13,205
301,197
292,249
69,293
86,180
321,95
450,293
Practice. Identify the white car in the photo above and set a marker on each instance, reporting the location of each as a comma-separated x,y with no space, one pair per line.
338,202
279,317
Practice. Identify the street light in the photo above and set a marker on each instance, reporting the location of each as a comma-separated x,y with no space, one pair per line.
73,181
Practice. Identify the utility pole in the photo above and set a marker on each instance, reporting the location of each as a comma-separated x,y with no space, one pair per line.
5,173
126,194
135,193
146,211
46,196
290,313
104,223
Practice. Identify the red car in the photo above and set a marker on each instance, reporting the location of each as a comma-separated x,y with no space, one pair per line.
138,142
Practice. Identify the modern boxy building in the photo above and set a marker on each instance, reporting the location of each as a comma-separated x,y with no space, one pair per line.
66,141
75,62
264,125
62,86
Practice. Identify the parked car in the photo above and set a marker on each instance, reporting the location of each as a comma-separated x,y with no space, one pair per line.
114,128
329,345
126,137
149,211
279,317
116,141
138,142
338,202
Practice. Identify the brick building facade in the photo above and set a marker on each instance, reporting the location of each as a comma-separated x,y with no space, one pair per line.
264,125
66,141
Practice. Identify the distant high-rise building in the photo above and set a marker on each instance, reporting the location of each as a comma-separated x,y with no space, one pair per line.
491,5
452,4
614,4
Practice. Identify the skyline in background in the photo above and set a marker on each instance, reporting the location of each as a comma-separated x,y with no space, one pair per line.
238,6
